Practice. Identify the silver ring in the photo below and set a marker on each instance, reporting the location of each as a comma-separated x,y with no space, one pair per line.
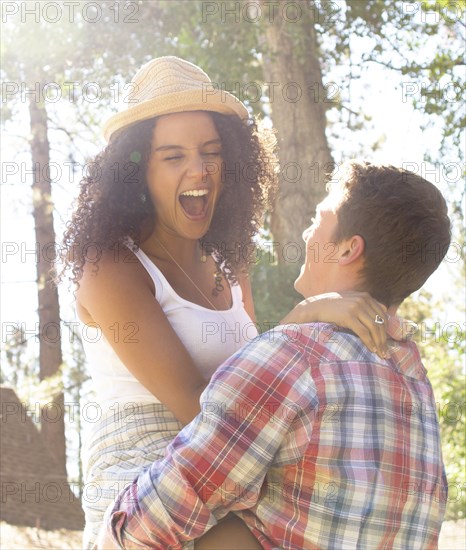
379,320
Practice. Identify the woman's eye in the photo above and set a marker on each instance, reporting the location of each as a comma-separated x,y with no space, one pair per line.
173,158
213,154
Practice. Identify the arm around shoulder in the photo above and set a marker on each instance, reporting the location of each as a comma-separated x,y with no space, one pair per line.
248,412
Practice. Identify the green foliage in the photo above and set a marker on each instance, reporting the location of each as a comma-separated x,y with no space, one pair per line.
193,35
443,352
424,41
448,380
272,284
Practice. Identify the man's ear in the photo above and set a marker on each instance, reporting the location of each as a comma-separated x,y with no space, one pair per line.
351,249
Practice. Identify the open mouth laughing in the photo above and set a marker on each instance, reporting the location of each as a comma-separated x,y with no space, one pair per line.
194,202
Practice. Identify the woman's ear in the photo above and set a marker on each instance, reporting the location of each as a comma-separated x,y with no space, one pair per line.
351,249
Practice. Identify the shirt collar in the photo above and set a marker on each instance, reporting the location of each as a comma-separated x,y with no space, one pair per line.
404,352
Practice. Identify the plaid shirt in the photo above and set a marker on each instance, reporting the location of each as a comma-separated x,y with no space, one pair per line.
314,441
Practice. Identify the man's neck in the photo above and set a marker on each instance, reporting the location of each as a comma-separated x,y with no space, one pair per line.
392,310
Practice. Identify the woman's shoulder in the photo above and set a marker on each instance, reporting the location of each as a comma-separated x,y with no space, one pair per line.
110,271
118,262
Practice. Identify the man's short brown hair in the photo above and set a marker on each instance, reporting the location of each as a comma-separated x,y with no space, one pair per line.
403,220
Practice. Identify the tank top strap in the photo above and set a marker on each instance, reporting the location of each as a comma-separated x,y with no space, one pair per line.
153,271
236,295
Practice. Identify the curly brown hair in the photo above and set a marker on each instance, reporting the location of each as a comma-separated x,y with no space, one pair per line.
114,203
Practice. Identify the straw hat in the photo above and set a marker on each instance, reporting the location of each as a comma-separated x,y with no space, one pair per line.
171,85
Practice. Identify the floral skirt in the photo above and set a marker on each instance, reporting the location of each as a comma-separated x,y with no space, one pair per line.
123,443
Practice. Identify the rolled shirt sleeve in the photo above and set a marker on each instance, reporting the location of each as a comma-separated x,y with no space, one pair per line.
247,411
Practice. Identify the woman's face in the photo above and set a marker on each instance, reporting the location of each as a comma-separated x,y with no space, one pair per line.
184,173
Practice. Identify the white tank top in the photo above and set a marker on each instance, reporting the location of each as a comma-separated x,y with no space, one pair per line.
209,336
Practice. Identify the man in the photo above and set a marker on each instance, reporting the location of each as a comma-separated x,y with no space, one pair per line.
310,438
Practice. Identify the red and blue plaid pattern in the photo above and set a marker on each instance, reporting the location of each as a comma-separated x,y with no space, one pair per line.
314,441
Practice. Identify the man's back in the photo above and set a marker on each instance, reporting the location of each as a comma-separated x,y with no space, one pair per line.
313,440
361,465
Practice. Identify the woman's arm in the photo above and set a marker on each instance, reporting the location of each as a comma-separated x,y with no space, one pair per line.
349,309
120,299
230,534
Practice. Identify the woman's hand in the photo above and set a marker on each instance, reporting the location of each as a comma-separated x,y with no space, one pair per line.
354,310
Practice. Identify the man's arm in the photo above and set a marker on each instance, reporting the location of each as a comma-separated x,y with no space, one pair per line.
217,463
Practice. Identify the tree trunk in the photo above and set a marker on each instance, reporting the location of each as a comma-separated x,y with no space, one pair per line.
50,356
291,64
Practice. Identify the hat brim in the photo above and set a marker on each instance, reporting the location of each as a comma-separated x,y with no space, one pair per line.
218,101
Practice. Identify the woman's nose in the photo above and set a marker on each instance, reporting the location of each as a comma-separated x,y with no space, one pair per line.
197,165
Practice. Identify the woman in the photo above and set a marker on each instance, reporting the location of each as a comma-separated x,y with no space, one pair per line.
171,211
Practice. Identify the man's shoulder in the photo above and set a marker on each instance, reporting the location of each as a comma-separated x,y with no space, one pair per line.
298,345
321,342
297,336
325,343
313,335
